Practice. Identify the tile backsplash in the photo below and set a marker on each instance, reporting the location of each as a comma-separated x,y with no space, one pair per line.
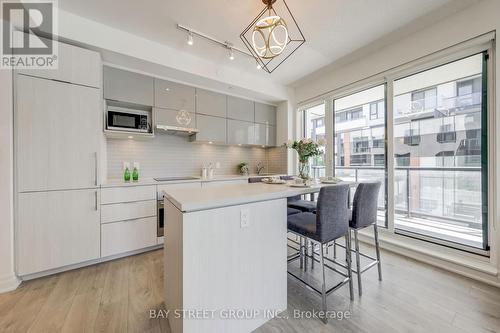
171,155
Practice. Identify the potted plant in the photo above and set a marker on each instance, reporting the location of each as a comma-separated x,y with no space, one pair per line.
243,168
306,148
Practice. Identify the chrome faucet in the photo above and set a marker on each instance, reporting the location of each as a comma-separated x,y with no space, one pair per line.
260,167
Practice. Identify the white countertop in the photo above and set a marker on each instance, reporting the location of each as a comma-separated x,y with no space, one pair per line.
151,181
188,200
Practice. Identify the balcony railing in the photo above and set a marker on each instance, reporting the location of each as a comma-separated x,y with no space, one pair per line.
447,194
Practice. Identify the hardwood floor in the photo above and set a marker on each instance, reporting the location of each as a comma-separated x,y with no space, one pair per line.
117,296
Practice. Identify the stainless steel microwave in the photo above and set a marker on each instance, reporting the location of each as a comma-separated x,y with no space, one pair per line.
129,120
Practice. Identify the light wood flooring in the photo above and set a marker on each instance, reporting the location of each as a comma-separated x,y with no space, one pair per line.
117,296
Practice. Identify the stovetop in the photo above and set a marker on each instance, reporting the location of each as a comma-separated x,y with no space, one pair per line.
168,179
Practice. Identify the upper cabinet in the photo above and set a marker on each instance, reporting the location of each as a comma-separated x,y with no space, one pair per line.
211,129
130,87
210,103
74,65
265,114
175,118
240,132
240,109
265,135
176,96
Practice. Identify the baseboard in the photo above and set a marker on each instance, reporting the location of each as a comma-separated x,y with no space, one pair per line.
88,263
8,283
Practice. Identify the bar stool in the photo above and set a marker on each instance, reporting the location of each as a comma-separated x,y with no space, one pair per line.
363,215
330,222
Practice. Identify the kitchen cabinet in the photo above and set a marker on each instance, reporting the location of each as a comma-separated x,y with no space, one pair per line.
167,117
123,194
265,114
127,211
240,109
125,236
125,86
240,132
175,96
74,65
57,135
265,135
210,103
211,129
56,229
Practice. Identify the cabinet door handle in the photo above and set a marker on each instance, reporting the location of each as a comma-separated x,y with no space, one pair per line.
95,168
96,208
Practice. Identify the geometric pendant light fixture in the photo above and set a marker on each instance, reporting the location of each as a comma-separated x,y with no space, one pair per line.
273,36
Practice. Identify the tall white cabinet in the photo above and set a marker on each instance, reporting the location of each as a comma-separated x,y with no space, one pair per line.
58,128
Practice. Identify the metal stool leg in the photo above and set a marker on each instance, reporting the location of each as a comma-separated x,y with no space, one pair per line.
306,252
323,286
377,249
349,264
312,254
358,263
301,253
334,249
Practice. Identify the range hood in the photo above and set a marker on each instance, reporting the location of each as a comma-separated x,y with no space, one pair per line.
177,130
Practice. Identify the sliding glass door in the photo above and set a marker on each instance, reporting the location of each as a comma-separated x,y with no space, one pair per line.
440,153
359,140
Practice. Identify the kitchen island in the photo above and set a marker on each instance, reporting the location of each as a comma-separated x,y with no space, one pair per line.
225,256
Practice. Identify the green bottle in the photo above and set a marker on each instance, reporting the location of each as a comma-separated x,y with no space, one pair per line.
135,174
126,174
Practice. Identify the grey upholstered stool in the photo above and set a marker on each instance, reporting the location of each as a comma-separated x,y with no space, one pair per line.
364,214
296,202
330,222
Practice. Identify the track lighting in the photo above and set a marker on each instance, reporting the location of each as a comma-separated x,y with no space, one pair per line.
231,54
258,65
190,38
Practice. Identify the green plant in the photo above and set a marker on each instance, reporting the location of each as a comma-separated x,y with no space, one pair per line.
305,148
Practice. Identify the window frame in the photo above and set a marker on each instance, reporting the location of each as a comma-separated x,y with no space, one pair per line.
483,43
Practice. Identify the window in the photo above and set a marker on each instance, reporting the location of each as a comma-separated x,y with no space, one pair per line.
424,100
314,121
440,191
377,110
359,146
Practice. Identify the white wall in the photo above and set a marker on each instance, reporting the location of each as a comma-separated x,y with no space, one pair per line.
478,19
8,280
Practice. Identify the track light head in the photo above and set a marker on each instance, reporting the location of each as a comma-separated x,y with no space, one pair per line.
190,38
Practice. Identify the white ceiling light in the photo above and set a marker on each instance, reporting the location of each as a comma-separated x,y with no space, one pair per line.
190,38
231,54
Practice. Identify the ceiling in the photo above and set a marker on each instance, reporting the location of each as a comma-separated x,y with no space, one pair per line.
333,28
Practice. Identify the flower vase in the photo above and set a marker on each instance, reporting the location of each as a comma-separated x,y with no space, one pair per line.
304,169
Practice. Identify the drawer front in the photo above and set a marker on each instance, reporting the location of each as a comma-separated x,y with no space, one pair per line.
127,194
127,211
120,237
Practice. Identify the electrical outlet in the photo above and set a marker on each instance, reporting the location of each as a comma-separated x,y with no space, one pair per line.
244,218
